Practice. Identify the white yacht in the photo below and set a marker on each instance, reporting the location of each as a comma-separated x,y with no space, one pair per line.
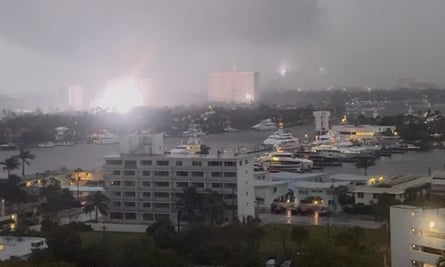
193,146
285,162
265,125
193,130
283,140
106,138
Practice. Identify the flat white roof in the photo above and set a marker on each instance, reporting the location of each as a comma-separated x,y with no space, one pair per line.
16,246
263,183
226,155
378,190
318,185
290,176
348,177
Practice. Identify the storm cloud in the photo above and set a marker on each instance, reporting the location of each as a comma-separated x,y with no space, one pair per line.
46,45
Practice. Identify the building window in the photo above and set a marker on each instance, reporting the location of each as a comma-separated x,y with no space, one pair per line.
130,194
147,216
130,216
130,164
113,162
182,184
231,185
162,217
375,195
241,163
115,183
116,204
230,174
145,173
216,174
182,174
178,163
146,205
116,215
229,163
196,163
145,183
129,173
162,163
198,185
214,163
161,194
360,195
146,194
161,205
161,173
197,174
217,185
117,194
246,161
129,183
162,184
116,172
129,204
146,162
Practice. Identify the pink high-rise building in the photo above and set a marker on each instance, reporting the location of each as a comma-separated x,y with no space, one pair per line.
75,96
233,87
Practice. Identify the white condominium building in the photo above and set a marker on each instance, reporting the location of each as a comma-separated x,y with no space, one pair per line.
417,236
144,185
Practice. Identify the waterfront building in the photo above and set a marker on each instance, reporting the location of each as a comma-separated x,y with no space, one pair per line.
395,186
417,236
145,185
238,87
321,122
343,133
438,183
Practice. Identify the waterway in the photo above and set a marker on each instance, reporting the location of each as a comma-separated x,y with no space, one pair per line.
90,156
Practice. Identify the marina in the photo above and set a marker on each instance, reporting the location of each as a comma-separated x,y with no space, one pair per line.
90,156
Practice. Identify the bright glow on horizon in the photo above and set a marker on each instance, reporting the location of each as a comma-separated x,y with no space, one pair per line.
121,95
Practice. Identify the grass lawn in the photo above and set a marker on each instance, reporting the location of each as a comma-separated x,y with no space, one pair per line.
277,236
116,240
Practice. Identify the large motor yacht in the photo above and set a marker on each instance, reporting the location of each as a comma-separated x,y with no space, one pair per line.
283,140
193,146
265,125
280,161
193,130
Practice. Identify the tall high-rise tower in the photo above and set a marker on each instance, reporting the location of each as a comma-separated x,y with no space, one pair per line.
233,87
76,96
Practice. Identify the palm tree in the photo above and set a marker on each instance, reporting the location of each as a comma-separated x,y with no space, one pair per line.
441,261
213,207
365,163
25,155
10,164
98,202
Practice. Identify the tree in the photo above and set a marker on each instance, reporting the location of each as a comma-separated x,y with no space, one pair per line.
441,261
213,207
190,202
365,162
98,202
25,156
10,164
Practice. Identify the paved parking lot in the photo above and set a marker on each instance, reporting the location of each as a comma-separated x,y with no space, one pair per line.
314,219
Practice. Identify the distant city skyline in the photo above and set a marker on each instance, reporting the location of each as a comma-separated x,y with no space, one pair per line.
48,45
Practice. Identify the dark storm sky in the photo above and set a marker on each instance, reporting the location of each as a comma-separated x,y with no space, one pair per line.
46,45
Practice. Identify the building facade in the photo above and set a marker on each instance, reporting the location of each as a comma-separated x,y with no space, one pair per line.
321,122
233,87
417,236
144,187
